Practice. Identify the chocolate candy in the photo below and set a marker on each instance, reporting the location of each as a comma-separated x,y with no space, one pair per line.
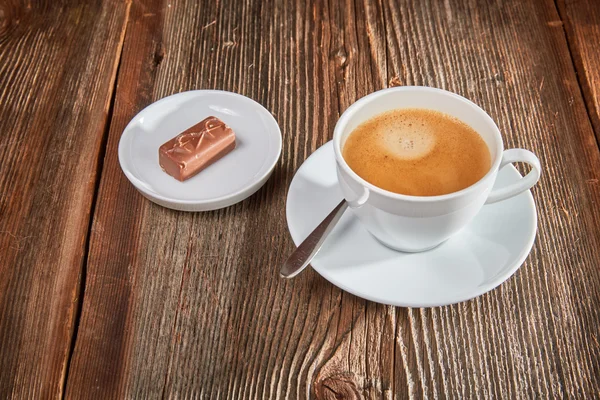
196,148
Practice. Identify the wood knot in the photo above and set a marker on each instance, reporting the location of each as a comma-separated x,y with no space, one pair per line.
3,18
341,58
395,81
159,55
336,386
9,17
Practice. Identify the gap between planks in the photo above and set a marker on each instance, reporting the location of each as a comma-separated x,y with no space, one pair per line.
99,168
578,74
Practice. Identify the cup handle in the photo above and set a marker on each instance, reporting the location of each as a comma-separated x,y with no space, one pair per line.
523,184
360,200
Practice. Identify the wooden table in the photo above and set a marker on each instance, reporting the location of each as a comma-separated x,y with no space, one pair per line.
104,294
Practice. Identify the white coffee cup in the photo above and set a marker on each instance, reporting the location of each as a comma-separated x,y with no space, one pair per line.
418,223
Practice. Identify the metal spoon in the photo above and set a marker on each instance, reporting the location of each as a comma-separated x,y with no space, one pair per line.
312,244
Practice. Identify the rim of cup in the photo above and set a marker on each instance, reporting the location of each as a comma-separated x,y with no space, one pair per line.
344,119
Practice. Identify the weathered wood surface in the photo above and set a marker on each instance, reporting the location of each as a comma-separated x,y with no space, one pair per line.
179,304
582,24
58,63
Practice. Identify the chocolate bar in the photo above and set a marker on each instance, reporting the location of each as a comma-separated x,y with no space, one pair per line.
196,148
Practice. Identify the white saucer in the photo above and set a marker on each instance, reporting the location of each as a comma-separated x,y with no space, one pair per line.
479,258
229,180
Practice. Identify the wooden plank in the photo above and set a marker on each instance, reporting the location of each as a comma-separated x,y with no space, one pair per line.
58,65
536,335
180,304
582,25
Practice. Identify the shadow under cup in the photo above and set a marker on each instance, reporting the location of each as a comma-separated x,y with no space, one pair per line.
415,223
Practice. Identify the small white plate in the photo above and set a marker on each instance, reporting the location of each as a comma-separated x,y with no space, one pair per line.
229,180
482,256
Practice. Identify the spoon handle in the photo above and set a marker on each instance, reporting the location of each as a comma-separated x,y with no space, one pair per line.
312,244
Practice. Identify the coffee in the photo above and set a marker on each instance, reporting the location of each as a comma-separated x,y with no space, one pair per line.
417,152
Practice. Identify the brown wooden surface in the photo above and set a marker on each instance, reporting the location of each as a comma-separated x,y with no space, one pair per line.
181,304
582,24
58,63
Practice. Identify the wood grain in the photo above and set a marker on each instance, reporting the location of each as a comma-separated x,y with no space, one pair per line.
58,65
581,21
191,305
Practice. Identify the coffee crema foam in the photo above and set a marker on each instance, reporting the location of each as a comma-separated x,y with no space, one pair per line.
417,152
